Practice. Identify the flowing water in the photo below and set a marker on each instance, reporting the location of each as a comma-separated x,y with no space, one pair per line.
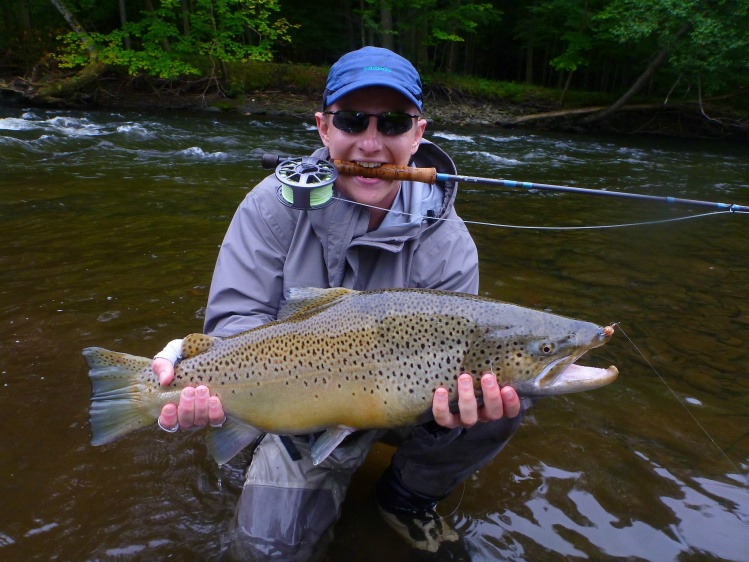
110,226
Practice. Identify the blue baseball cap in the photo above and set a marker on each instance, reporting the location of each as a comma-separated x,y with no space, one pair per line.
372,66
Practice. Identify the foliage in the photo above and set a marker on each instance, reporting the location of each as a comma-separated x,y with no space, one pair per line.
573,29
598,45
224,30
454,21
713,50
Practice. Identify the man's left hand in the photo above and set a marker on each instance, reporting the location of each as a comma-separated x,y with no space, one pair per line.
498,403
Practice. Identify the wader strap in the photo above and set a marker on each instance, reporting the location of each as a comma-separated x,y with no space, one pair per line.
291,449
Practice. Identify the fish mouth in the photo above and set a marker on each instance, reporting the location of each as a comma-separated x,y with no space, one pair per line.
564,375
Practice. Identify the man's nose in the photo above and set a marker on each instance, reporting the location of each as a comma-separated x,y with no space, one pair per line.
371,136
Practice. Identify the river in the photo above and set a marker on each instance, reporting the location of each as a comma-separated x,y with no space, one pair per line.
111,223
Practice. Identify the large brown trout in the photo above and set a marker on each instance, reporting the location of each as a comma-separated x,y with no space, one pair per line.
341,360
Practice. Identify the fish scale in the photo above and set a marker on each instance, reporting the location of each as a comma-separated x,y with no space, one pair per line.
339,359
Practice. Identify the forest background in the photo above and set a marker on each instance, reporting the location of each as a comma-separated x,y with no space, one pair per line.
661,66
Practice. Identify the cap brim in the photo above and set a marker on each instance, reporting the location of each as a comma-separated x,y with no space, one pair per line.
359,84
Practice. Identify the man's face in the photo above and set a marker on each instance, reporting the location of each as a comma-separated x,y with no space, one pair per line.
370,146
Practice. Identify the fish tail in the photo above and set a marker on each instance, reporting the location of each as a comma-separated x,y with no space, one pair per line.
118,404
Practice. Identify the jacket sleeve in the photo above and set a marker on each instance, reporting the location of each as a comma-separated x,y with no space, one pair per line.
247,282
448,259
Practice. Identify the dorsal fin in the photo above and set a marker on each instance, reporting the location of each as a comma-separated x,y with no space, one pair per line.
195,344
311,299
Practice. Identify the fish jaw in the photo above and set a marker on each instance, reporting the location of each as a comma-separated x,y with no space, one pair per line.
563,375
575,378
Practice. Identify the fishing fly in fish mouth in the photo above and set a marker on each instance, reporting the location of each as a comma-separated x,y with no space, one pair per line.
292,350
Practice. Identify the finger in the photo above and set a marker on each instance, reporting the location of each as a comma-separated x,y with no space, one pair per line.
164,370
467,403
168,417
201,406
216,415
186,407
441,409
510,401
493,407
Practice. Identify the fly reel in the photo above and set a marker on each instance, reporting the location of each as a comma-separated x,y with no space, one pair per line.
306,183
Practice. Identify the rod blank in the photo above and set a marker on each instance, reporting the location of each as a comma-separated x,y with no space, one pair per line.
430,175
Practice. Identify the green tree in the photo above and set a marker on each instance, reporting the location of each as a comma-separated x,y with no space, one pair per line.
222,30
703,43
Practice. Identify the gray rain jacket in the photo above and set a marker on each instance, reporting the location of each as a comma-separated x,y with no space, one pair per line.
270,248
288,506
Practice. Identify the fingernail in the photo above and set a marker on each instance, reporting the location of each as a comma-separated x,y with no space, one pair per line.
201,392
489,381
465,382
188,392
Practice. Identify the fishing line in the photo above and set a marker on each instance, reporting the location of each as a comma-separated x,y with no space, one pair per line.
529,227
460,501
696,421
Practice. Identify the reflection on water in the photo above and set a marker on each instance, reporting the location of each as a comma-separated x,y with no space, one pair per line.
111,224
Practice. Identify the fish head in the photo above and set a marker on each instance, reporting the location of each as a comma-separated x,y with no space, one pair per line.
542,360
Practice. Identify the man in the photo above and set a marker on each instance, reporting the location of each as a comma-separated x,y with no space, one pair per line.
376,234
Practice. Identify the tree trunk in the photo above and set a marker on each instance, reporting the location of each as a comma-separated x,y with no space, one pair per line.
185,18
74,24
123,21
643,79
529,62
386,24
361,25
67,88
68,15
566,88
24,17
469,55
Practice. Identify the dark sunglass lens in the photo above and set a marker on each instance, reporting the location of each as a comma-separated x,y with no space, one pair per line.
350,121
392,124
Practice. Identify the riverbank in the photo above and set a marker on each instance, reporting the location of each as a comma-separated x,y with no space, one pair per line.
679,120
446,101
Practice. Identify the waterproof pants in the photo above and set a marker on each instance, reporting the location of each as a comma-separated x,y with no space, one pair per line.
288,507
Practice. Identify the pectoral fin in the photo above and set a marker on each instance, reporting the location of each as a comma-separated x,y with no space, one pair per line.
327,442
228,440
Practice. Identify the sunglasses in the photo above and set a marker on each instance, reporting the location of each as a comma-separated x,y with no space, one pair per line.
390,124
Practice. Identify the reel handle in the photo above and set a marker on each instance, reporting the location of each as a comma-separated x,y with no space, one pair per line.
387,172
270,161
383,172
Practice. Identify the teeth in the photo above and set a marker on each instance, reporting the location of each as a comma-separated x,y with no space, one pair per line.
369,164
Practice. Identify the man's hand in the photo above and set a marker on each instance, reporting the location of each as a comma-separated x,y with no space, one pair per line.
498,403
196,406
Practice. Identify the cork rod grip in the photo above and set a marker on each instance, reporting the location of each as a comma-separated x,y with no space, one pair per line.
387,172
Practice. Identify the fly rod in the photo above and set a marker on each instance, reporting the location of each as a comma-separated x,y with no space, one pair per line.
430,175
307,182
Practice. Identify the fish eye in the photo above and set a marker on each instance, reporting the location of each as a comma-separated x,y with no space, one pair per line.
547,348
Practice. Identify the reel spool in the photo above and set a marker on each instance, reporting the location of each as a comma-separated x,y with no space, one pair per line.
306,183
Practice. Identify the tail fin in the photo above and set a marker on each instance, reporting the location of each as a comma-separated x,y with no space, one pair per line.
117,402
